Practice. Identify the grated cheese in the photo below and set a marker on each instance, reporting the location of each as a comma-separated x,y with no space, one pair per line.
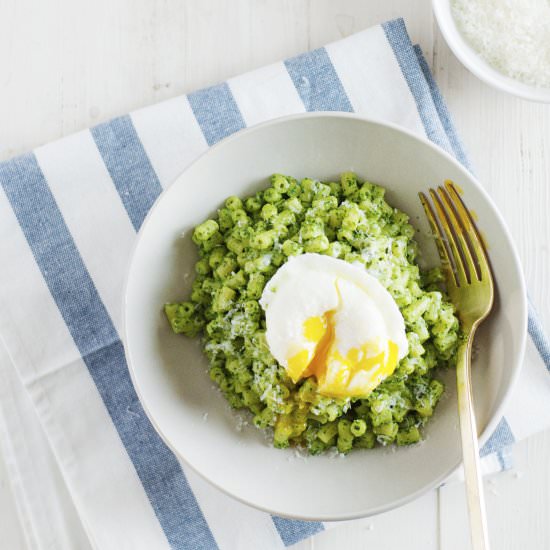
511,35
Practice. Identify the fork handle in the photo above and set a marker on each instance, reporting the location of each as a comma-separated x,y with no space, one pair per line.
470,448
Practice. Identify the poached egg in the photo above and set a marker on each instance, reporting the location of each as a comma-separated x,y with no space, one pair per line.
330,319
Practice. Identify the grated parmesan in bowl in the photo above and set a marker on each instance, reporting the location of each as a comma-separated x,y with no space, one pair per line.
511,35
506,43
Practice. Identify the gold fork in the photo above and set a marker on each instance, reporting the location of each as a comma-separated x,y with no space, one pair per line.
471,289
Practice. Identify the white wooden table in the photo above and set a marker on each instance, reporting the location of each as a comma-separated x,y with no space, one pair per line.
69,64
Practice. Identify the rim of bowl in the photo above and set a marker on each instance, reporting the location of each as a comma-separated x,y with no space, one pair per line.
476,64
491,425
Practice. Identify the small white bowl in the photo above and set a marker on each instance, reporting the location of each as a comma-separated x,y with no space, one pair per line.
170,371
476,64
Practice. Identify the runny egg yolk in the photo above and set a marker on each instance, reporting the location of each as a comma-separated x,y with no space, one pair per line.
320,331
355,374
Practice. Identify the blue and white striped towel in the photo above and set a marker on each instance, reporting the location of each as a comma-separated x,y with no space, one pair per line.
78,445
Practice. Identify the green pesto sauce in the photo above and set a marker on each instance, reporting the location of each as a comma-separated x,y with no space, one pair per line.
244,246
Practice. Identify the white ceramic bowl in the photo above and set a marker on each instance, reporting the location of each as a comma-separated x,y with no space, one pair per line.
169,371
478,66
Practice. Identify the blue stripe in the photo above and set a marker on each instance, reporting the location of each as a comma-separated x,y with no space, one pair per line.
216,112
535,328
443,112
399,40
317,83
129,167
502,437
539,337
505,459
293,531
96,338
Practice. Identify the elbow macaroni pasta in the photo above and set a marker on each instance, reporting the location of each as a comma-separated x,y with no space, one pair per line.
244,246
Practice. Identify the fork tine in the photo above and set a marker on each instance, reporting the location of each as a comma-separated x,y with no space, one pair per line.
468,256
446,224
444,255
471,230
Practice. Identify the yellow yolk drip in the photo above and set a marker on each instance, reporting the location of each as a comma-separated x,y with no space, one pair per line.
297,364
324,344
315,327
358,373
316,330
355,375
